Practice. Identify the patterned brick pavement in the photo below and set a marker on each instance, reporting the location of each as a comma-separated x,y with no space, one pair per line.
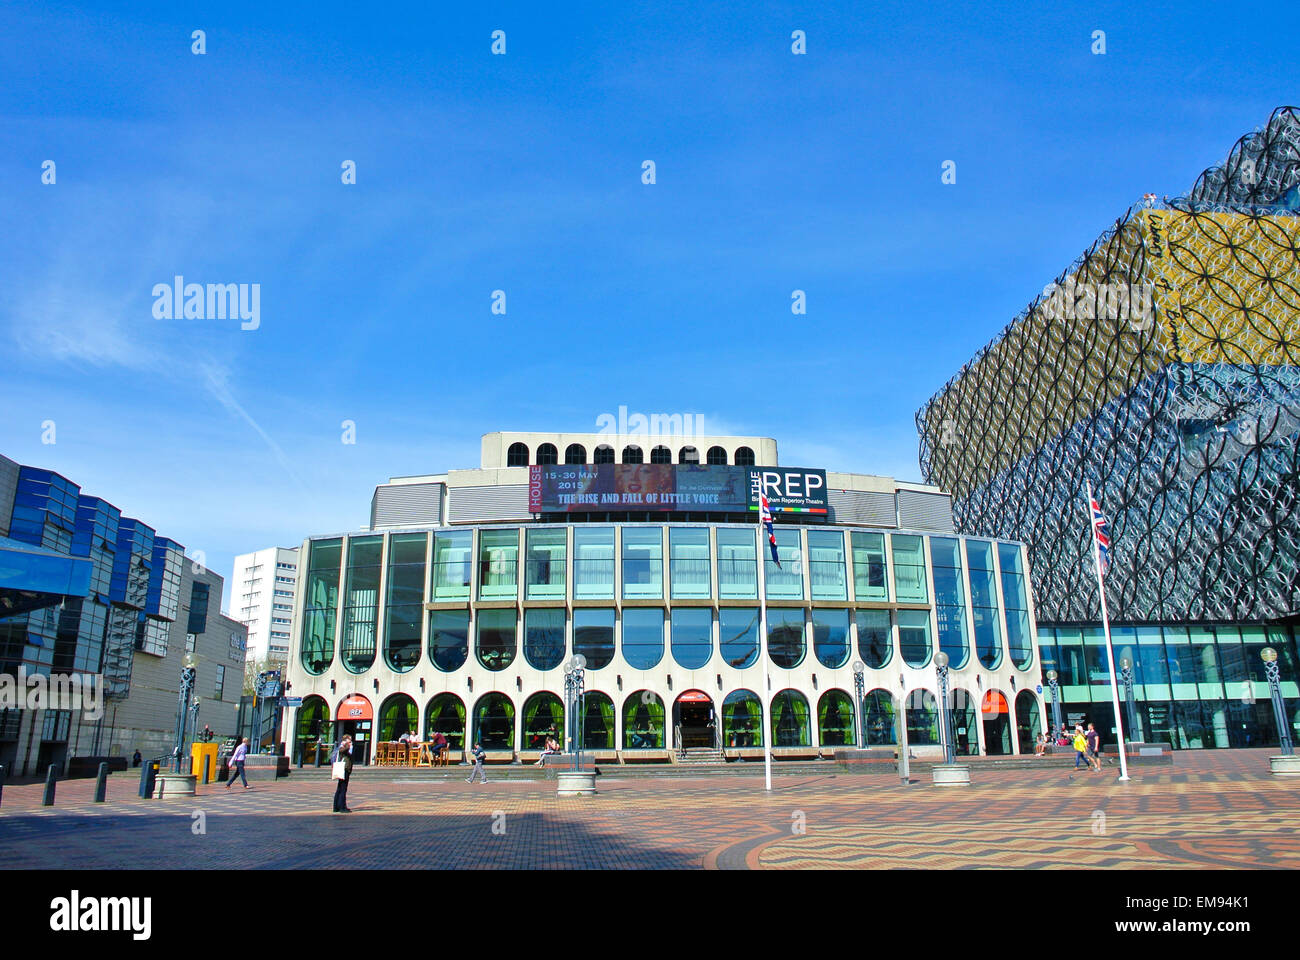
1211,810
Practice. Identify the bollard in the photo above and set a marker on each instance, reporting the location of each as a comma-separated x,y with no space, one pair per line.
207,766
50,776
101,783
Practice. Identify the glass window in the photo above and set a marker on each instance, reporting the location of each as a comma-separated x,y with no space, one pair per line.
643,563
643,719
397,716
547,453
361,603
744,457
835,720
632,454
313,728
949,600
1014,597
544,574
914,637
790,719
543,717
453,555
738,636
984,603
404,609
692,636
737,565
875,638
688,455
786,581
449,639
909,569
831,637
320,603
445,714
593,563
496,639
688,551
575,453
717,456
544,637
878,714
827,574
661,454
517,455
498,564
597,721
604,454
922,719
494,721
742,719
643,636
1029,723
869,566
593,635
785,640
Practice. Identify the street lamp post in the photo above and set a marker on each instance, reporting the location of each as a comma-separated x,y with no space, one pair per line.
573,691
945,728
183,709
859,684
1056,700
1269,655
1126,674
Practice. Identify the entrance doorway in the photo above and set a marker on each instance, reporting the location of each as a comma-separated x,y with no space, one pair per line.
997,724
355,719
693,720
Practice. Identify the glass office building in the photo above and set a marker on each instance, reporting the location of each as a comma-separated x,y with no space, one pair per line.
1162,367
459,609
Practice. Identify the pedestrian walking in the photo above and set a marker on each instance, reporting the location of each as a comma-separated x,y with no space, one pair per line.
237,764
479,756
1094,746
341,773
1080,749
136,759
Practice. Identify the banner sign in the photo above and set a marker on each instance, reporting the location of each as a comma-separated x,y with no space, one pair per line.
555,488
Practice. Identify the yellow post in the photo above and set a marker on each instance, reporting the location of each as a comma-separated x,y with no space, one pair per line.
202,754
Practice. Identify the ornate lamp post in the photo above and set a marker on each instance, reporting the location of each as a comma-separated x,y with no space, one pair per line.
188,671
1269,656
859,685
1056,700
945,728
1126,674
575,783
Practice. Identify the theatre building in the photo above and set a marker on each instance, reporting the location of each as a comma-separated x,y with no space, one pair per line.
459,608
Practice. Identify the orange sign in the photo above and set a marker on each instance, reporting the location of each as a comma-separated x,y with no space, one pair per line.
994,703
694,696
355,707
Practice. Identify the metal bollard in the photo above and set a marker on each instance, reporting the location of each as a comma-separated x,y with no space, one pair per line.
101,783
207,767
50,776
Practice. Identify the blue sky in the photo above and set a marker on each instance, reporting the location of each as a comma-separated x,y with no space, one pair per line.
522,172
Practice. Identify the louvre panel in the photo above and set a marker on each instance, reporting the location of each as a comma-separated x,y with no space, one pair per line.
474,504
409,504
870,507
925,511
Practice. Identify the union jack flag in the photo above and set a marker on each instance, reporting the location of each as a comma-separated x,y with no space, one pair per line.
765,515
1100,530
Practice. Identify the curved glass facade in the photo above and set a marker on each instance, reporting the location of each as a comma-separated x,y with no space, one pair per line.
361,603
692,637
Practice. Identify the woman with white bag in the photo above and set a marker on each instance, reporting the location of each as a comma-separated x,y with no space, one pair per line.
341,770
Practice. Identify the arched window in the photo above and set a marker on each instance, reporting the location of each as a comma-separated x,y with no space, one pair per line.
692,636
544,637
604,454
597,721
314,731
961,717
738,636
688,455
785,642
575,453
517,455
397,716
445,714
744,457
742,719
831,637
922,719
543,717
632,454
1028,722
661,454
878,712
643,637
949,599
643,721
914,637
717,456
997,723
496,638
547,453
320,604
404,610
361,603
984,603
494,722
790,719
875,642
448,639
593,635
835,720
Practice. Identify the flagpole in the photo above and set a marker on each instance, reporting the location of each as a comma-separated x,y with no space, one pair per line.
1110,650
761,557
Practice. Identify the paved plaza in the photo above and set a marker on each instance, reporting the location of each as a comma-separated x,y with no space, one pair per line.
1211,809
